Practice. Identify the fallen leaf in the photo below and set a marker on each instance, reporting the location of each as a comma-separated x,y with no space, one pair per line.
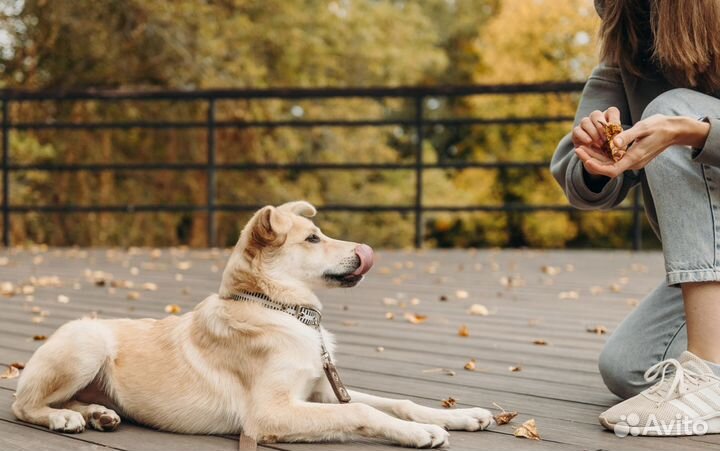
173,308
463,331
348,322
10,372
632,302
134,271
461,294
527,430
478,309
414,301
443,298
599,330
178,277
415,318
449,402
379,349
569,267
595,290
514,369
504,417
18,365
133,295
389,315
471,365
551,270
446,371
7,289
390,301
39,337
63,299
569,295
184,265
540,342
149,286
615,287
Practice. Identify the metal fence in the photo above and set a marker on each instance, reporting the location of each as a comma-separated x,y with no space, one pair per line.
419,122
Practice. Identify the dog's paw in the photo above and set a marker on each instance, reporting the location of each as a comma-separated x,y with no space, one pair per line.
66,421
428,436
103,419
475,419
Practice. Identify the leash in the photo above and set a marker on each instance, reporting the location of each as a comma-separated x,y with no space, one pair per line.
311,317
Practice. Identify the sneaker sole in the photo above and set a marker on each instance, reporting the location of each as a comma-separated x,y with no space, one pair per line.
712,421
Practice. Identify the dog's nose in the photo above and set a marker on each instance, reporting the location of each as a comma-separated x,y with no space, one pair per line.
365,254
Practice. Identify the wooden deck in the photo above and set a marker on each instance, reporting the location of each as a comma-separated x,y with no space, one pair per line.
558,383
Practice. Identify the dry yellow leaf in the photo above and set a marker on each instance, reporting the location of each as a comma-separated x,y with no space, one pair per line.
540,342
415,318
515,369
11,372
63,299
478,309
173,308
389,315
599,330
133,295
149,286
449,402
461,294
379,349
471,365
184,265
569,295
528,430
463,331
551,270
504,417
39,337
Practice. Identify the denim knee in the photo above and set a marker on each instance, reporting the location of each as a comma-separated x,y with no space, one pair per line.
675,102
618,372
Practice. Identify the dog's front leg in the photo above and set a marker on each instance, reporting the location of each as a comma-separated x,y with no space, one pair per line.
474,419
299,421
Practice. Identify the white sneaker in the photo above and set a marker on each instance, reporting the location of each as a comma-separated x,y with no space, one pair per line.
686,401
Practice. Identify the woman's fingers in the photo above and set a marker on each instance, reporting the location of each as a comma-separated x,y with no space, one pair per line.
612,115
580,136
598,166
598,119
627,137
587,125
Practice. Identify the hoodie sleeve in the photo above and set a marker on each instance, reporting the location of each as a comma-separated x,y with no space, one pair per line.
604,89
710,153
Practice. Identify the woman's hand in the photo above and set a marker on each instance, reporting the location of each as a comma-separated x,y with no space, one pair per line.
589,136
647,139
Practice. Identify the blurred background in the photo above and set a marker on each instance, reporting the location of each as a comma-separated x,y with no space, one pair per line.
452,157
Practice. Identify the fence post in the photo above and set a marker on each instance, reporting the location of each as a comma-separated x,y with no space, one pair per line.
6,171
211,181
419,166
637,221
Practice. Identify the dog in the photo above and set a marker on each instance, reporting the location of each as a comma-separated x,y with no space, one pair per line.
236,364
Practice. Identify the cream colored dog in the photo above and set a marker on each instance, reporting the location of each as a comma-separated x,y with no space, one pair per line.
229,366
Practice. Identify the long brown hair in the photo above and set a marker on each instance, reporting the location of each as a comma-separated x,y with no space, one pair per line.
676,39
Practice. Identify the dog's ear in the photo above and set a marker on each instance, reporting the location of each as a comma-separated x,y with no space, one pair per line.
300,207
269,227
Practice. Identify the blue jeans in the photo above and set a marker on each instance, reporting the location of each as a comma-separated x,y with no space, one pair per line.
685,202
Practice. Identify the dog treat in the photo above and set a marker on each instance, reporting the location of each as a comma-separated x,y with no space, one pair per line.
609,147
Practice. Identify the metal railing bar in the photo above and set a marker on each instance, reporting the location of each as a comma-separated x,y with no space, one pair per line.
295,93
536,120
91,167
331,207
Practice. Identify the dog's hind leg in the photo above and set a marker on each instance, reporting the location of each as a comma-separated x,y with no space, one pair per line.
69,361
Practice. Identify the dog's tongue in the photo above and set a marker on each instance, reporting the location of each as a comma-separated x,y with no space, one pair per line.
365,253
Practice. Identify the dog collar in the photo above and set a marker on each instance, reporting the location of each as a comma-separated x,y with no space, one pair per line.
307,315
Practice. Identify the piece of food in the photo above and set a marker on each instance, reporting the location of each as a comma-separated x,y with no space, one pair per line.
609,147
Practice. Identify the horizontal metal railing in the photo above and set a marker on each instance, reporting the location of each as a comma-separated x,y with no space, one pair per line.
211,124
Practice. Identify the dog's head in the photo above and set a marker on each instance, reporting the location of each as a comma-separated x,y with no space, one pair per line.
283,245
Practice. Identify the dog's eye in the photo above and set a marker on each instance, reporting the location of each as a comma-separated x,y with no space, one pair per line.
313,239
